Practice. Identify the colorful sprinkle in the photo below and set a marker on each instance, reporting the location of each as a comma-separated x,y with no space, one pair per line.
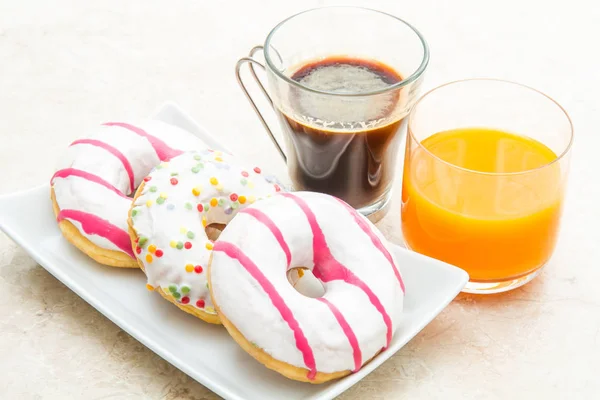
174,173
214,202
160,200
187,245
172,288
200,208
251,199
149,287
149,258
189,268
195,170
159,253
219,187
233,197
196,191
174,181
221,202
214,181
197,157
235,206
173,244
182,229
149,203
146,179
176,295
204,221
134,212
185,300
180,245
218,159
200,303
244,181
245,174
138,249
257,170
170,206
277,188
209,246
228,210
190,235
164,195
209,310
152,248
188,206
242,199
185,289
153,189
198,269
143,241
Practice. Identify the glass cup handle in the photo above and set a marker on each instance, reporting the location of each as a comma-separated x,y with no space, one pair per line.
251,62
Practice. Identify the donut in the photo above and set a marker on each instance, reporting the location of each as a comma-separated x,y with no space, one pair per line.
303,338
90,189
169,216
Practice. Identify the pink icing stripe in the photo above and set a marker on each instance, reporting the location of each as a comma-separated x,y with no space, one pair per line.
301,342
115,152
94,225
268,222
65,173
375,239
347,331
163,151
328,269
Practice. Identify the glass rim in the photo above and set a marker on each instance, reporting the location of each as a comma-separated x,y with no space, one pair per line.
411,78
527,171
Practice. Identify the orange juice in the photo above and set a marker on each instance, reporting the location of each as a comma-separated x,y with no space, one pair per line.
485,200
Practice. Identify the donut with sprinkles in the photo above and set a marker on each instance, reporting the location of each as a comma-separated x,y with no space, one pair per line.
171,212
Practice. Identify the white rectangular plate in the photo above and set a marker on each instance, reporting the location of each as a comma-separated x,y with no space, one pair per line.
204,352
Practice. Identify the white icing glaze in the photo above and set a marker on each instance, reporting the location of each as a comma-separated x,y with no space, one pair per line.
245,302
166,216
74,192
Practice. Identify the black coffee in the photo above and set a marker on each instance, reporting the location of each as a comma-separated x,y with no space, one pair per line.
356,165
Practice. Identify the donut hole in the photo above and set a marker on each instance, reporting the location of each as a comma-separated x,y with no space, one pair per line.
213,231
305,283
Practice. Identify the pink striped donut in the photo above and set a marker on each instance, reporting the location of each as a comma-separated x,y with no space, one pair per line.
303,338
91,188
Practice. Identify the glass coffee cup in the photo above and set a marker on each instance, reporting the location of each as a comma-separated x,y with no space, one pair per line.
341,81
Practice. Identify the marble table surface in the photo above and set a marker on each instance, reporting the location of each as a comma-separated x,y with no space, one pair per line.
67,65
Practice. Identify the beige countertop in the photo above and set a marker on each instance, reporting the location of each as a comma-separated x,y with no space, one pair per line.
68,65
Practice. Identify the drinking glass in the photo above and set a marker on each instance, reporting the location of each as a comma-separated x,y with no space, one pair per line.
499,223
341,142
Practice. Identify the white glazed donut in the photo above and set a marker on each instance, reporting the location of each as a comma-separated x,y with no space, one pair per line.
171,211
303,338
97,174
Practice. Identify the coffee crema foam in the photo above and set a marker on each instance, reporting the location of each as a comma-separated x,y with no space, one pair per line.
341,75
